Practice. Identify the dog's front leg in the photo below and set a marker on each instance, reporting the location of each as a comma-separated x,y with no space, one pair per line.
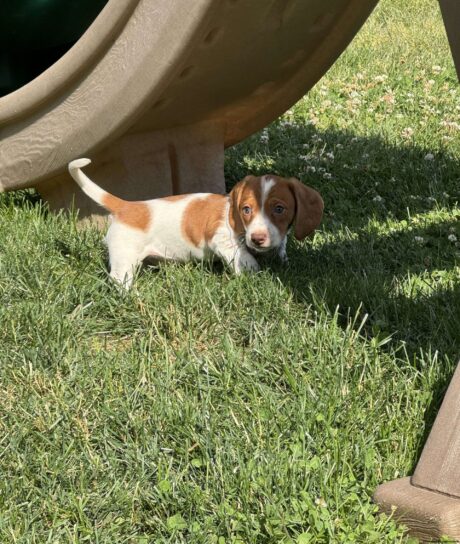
127,250
239,259
282,254
245,261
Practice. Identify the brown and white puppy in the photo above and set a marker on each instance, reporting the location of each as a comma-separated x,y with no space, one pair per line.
254,218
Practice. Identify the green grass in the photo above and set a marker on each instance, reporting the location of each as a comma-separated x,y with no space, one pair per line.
208,408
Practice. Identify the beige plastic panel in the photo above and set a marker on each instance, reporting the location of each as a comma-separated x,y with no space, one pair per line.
428,503
439,466
450,10
427,515
146,66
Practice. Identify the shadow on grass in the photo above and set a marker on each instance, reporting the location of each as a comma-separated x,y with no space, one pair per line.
369,176
386,277
374,269
23,198
403,278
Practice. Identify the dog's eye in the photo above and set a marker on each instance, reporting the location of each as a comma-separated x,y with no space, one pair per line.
278,209
247,210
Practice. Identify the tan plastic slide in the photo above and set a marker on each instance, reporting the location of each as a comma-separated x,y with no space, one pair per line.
155,89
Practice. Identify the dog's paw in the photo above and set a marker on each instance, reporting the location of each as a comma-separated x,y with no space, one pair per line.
284,259
246,262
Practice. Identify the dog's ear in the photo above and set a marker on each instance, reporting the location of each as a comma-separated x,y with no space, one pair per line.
309,208
235,198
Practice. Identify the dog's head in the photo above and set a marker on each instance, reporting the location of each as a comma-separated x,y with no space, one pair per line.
262,209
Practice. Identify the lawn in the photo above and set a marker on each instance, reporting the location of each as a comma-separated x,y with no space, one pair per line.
208,408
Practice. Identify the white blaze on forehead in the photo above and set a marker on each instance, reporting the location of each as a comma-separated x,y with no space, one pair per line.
267,183
261,222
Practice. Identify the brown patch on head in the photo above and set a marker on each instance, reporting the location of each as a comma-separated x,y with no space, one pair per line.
288,201
202,217
247,192
309,208
137,215
280,204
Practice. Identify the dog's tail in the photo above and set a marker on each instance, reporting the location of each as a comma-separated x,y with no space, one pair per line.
96,193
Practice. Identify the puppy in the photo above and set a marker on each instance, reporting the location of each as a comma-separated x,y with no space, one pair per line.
253,219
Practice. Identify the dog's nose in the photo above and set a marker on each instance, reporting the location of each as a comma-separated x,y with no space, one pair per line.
258,238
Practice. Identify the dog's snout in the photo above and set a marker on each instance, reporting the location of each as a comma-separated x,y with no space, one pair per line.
259,238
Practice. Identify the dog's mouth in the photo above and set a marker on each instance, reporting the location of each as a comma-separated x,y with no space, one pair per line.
254,248
260,249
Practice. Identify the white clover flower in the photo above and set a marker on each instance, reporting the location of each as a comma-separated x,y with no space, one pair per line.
321,502
377,198
380,78
264,136
451,124
419,239
287,123
327,175
429,157
430,82
389,98
452,238
311,169
436,69
431,199
407,132
330,155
